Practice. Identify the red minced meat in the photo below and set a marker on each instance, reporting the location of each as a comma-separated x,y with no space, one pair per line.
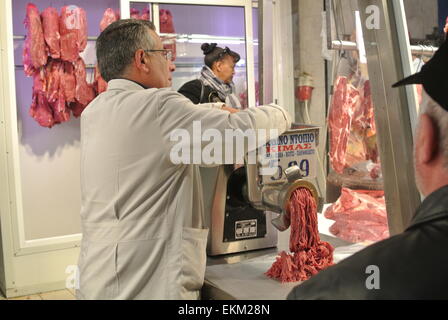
309,254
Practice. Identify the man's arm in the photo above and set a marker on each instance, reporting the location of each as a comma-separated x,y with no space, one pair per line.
177,113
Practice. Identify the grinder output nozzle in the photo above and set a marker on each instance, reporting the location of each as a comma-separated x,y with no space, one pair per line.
277,197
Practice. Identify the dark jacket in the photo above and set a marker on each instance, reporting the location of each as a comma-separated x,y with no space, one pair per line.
193,90
411,265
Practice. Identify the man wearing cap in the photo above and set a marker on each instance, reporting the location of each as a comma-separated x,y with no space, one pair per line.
413,264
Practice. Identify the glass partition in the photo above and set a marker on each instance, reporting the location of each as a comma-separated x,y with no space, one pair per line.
356,199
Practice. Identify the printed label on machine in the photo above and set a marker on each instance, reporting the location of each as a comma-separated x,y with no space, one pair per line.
290,149
245,229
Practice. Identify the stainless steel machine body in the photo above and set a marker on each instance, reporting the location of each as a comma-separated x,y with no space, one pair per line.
244,209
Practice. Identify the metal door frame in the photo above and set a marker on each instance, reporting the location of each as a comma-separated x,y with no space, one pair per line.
246,4
394,108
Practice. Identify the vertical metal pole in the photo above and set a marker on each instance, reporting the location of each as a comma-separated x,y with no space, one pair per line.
406,58
260,51
328,13
156,16
250,64
267,62
125,9
392,116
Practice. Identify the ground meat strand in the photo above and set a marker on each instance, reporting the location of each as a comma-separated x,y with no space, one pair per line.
308,254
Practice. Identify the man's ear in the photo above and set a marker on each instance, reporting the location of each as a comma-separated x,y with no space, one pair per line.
141,60
427,140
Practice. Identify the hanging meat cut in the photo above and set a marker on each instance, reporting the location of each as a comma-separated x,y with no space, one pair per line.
52,79
68,81
369,125
351,126
166,21
360,215
360,118
40,109
81,41
73,31
58,88
50,24
167,26
100,84
362,145
84,92
60,111
59,80
35,52
339,121
77,108
145,14
109,16
309,254
135,13
55,90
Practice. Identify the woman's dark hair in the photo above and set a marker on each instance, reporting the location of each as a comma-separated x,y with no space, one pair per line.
213,53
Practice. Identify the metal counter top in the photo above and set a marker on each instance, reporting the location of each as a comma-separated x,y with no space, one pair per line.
241,276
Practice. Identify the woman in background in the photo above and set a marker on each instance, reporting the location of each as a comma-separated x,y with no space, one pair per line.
215,83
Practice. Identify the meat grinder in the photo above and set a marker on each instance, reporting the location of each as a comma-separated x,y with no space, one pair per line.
245,207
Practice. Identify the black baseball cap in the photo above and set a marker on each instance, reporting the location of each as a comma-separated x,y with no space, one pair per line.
433,76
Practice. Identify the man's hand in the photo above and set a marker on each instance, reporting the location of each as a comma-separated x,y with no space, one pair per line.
229,109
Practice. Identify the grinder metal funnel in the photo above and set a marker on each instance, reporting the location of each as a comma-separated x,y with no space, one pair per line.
273,194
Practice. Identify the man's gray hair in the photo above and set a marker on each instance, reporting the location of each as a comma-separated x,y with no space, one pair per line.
116,45
440,118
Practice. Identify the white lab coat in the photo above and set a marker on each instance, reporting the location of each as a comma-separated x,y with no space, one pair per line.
142,216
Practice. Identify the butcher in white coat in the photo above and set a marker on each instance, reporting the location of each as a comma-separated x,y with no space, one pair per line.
142,215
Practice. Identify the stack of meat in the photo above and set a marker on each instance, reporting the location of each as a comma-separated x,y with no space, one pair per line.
360,216
351,125
309,254
51,57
